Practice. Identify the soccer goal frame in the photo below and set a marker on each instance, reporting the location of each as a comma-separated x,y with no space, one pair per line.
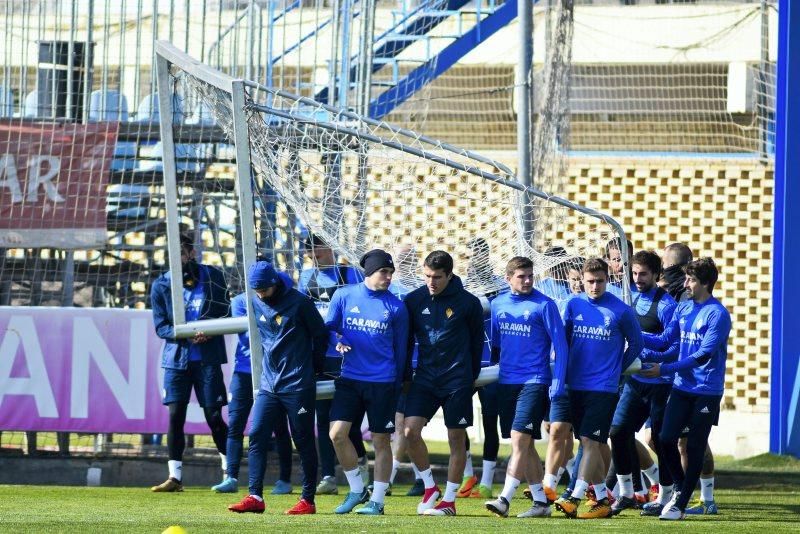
426,148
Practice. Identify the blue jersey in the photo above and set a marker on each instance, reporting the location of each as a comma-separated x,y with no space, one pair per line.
597,330
374,324
666,307
698,333
557,290
321,285
525,328
449,330
242,361
294,339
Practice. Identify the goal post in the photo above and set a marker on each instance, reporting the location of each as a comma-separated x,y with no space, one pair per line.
358,183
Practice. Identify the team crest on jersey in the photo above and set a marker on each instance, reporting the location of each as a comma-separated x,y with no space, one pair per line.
449,312
607,321
526,314
278,320
386,314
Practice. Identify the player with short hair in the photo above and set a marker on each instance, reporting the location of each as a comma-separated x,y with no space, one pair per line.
447,323
526,326
699,331
320,283
373,325
617,266
641,398
294,340
194,363
676,257
598,326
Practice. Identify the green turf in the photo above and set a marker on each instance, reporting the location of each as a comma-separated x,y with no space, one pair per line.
103,510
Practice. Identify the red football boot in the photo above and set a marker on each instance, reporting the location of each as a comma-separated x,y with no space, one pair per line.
302,507
248,504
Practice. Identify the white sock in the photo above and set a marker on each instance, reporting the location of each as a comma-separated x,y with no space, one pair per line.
450,492
600,491
355,481
468,469
652,474
175,469
224,461
395,467
427,478
551,481
510,488
664,493
259,498
379,491
570,466
417,476
625,486
537,491
487,476
558,476
615,491
580,489
707,488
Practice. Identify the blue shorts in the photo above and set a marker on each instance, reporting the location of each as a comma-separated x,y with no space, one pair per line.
640,402
487,395
207,381
423,402
353,398
559,409
522,408
401,402
687,413
592,412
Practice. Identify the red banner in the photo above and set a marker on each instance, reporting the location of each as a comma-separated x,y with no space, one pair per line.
53,180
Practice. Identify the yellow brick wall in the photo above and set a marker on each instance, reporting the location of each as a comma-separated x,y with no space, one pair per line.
720,209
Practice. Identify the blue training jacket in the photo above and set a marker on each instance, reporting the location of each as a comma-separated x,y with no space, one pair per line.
294,339
698,334
449,330
176,352
375,326
597,330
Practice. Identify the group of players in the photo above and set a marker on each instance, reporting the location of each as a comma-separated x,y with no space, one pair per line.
401,354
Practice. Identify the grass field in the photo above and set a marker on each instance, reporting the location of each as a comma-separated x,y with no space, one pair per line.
766,499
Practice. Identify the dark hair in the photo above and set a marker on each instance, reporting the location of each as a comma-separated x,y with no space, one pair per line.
516,263
314,240
187,241
705,270
439,259
594,265
575,264
648,259
682,250
616,244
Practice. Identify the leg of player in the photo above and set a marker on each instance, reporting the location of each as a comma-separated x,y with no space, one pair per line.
266,410
491,441
706,503
382,442
176,443
241,402
418,452
515,472
327,455
648,467
298,408
400,451
455,472
677,416
621,449
346,452
283,446
469,480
